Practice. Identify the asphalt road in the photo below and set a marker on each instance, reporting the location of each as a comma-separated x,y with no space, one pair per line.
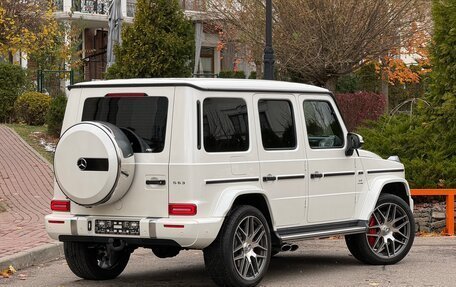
431,262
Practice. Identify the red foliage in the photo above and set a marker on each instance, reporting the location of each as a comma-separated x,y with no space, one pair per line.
359,107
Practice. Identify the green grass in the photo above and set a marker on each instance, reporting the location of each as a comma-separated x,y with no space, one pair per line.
26,133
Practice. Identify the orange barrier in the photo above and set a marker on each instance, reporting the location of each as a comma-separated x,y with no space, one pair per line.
450,194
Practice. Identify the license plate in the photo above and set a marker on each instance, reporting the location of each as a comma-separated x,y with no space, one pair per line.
117,227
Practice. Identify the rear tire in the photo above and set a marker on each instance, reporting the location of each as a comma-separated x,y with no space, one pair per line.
390,234
241,253
87,261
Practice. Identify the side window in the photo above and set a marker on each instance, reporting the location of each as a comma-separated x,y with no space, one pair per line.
323,128
277,125
225,125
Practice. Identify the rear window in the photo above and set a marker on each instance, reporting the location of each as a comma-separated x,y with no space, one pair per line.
142,119
225,125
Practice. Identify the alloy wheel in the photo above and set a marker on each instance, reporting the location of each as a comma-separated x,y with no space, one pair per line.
389,230
250,248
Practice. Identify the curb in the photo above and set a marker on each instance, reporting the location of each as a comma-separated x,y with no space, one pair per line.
35,256
35,152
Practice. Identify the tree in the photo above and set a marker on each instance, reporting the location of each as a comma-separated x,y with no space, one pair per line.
442,95
26,26
159,43
425,140
316,41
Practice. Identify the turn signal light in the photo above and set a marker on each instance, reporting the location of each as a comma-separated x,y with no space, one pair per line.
60,205
181,209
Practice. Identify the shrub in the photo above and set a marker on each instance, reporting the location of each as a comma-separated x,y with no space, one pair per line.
412,139
253,75
232,74
359,107
55,115
12,80
32,107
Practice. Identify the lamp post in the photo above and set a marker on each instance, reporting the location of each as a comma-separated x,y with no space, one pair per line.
268,50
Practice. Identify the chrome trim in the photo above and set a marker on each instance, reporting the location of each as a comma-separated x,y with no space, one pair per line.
152,228
74,226
351,230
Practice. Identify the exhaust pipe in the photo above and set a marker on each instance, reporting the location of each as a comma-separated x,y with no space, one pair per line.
285,247
289,247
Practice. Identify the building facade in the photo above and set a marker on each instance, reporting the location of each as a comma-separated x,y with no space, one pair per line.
93,16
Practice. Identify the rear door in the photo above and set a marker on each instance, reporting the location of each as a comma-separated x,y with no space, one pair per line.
145,116
282,159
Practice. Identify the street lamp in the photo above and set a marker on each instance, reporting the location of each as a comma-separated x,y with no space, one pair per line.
268,50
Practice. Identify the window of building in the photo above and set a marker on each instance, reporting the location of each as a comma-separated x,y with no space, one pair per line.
225,125
207,60
142,119
277,124
323,128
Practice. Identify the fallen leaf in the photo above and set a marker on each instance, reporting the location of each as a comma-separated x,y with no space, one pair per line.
8,272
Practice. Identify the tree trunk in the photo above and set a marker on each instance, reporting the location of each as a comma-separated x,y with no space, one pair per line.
331,83
10,57
384,85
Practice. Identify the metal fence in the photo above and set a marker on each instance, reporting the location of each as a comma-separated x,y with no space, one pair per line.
54,82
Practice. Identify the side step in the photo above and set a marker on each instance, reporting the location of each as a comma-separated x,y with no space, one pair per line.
322,230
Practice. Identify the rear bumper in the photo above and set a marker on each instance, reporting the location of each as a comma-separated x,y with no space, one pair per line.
187,233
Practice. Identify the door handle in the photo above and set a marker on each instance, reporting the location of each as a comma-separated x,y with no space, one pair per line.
316,175
156,182
269,177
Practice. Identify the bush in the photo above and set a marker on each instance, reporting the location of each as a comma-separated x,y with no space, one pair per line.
32,107
253,75
410,138
359,107
12,80
232,74
55,115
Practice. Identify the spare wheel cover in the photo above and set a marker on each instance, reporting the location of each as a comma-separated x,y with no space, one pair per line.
94,163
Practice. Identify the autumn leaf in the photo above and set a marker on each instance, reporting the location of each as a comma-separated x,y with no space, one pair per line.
8,272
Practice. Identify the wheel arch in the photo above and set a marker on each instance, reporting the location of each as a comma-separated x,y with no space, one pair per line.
255,198
394,186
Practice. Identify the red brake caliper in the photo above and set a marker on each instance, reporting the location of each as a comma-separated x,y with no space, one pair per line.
371,239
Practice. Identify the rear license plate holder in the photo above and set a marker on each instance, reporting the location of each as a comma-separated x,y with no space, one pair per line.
116,227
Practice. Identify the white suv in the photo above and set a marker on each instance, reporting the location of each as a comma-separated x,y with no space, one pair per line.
237,168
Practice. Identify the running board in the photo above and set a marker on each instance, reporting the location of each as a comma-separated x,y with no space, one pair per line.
322,230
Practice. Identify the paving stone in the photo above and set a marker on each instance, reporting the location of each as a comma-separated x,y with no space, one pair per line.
26,184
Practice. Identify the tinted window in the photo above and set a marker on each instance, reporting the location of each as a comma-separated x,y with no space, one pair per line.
142,119
277,124
225,125
323,128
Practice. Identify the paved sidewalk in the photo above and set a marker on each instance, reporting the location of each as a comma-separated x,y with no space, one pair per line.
26,189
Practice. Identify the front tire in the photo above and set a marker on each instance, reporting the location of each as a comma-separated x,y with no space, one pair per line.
93,262
241,253
389,236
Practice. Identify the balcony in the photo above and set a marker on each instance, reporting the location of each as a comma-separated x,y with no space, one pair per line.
91,6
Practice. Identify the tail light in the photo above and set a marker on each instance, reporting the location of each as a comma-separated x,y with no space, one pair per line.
182,209
60,205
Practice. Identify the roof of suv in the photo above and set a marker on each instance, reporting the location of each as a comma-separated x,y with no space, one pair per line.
209,84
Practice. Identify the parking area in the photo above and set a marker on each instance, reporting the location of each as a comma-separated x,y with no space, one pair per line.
431,262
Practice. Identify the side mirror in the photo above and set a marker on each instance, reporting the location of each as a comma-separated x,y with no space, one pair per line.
354,141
